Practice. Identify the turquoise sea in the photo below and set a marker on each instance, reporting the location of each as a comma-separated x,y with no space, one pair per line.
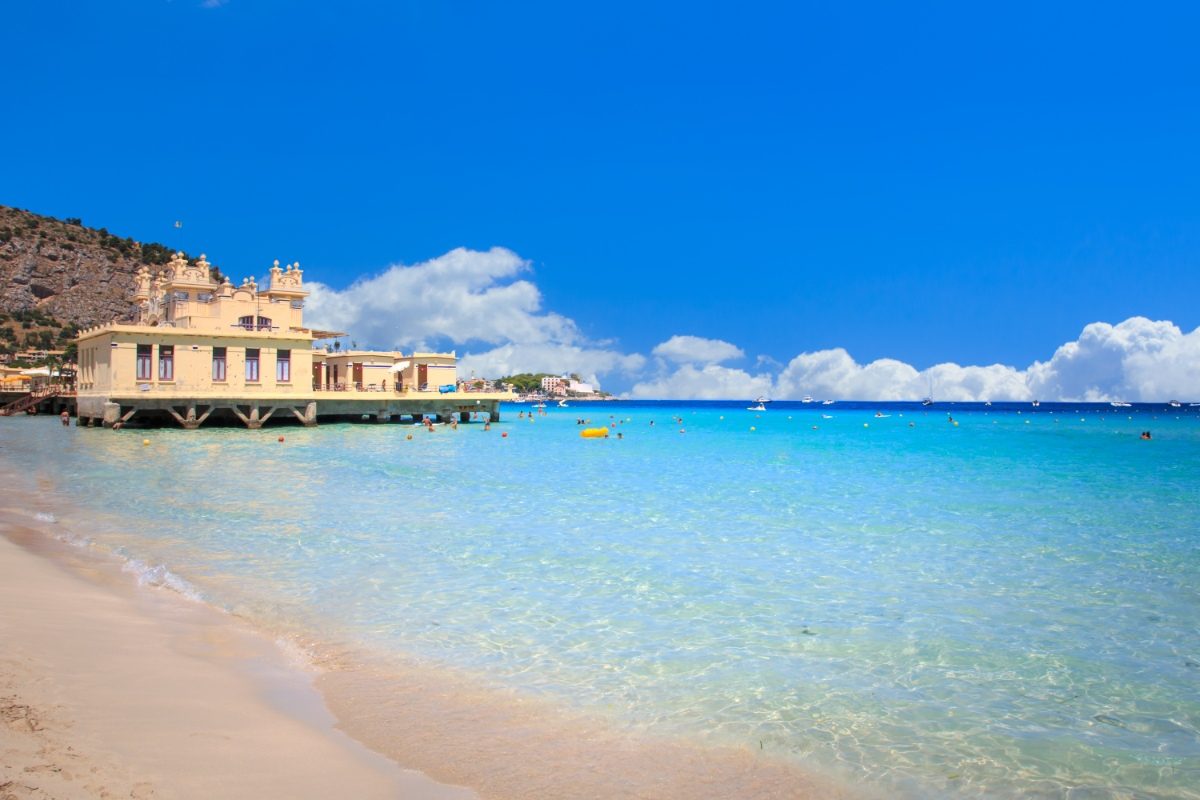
1006,606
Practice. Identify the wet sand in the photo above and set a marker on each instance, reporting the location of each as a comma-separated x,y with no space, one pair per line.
112,690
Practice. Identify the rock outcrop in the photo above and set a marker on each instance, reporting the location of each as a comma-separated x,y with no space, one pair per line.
73,273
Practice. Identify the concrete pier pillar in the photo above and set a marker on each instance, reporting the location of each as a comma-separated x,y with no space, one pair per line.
494,415
464,417
189,421
112,413
251,419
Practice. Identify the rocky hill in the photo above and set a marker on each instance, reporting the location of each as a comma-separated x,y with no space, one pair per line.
73,274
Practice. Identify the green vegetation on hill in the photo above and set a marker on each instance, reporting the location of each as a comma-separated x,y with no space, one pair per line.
526,381
532,381
33,330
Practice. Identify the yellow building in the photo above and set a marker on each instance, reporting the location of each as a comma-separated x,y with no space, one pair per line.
199,346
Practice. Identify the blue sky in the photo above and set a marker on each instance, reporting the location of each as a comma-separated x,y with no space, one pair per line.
925,182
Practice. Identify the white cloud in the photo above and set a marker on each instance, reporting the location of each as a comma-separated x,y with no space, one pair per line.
460,298
464,295
710,382
697,350
834,374
1138,360
483,302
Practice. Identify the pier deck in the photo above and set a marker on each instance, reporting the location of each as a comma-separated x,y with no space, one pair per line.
193,409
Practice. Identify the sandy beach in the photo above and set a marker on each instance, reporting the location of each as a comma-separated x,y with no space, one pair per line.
111,690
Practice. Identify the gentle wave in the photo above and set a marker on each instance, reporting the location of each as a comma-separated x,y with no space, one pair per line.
158,576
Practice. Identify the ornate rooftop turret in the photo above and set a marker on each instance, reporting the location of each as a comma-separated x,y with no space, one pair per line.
176,265
289,280
188,295
141,285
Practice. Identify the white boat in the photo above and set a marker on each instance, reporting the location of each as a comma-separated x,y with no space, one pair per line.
539,405
928,401
808,399
1037,403
828,402
987,402
760,405
1120,404
881,415
1175,404
563,404
827,416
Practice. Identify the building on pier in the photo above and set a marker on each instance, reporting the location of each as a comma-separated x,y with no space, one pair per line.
199,347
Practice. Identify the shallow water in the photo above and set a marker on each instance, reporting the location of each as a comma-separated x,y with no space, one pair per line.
1010,605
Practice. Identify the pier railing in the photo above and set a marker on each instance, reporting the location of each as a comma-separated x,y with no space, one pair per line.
31,399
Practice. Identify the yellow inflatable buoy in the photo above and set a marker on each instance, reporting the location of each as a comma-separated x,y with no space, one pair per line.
752,428
866,425
594,433
145,442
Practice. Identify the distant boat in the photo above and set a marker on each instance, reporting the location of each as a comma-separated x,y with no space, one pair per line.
1175,404
987,402
760,405
563,404
881,415
539,405
828,402
826,416
1037,403
1120,404
808,399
